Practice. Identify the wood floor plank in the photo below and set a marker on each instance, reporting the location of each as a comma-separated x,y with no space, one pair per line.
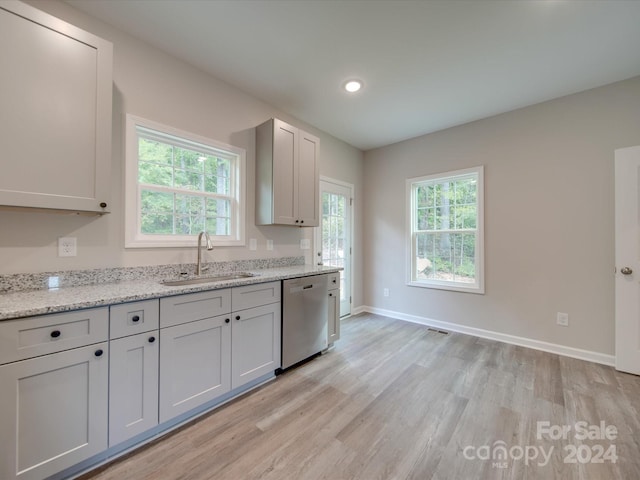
395,400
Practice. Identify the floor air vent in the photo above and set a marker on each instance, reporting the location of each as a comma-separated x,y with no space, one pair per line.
438,331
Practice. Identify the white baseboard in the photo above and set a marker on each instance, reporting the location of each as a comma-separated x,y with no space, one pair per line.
587,355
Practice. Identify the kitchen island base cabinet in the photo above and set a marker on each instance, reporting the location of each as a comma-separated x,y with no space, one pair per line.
133,386
53,411
195,364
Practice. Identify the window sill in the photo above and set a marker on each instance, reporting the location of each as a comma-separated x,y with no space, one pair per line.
442,285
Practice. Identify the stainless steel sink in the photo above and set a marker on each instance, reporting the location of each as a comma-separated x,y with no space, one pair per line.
211,279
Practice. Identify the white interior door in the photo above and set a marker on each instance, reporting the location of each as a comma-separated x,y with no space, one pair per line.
333,236
627,244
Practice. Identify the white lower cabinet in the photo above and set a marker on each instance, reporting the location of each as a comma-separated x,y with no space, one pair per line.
133,368
333,322
53,411
255,343
74,384
133,386
195,364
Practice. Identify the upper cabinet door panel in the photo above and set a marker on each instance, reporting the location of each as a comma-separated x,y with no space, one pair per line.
285,189
308,175
55,112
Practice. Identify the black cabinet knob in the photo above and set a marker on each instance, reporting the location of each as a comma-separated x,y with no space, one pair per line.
331,294
152,339
98,353
301,221
226,320
103,204
55,334
297,221
237,317
135,318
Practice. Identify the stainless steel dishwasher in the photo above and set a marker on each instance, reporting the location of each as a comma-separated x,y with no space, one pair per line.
305,307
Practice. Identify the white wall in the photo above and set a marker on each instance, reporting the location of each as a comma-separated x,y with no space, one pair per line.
548,217
154,85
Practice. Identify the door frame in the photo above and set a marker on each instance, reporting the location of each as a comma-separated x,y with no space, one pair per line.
317,232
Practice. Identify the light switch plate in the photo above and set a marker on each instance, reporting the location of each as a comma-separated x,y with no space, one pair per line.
562,319
305,244
269,244
253,244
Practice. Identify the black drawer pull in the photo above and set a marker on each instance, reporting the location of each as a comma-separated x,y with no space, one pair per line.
226,320
135,318
98,353
55,334
237,317
331,294
152,339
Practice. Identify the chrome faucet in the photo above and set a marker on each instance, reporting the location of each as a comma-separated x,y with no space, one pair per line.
209,247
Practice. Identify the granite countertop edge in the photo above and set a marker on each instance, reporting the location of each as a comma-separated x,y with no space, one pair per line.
39,302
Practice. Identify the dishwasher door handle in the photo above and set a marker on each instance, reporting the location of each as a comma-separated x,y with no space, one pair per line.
300,288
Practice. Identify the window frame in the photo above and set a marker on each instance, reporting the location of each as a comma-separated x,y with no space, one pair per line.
134,238
411,185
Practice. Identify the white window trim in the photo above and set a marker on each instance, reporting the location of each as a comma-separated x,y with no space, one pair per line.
478,286
133,237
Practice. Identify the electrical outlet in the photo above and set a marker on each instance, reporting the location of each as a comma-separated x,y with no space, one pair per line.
253,244
67,247
562,319
385,292
305,244
269,244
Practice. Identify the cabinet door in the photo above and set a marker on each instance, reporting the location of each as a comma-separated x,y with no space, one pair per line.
53,411
333,323
255,343
195,364
285,185
133,386
55,124
308,178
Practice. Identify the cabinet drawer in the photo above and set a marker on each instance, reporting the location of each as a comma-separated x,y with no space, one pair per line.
251,296
41,335
194,306
132,318
334,280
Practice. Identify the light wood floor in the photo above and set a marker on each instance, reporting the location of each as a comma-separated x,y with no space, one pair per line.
395,400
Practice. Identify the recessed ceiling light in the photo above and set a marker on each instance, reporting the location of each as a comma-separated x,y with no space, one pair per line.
353,86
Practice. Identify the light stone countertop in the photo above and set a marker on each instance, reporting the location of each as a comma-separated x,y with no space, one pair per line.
38,302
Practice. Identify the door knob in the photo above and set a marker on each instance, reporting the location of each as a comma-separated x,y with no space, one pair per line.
626,271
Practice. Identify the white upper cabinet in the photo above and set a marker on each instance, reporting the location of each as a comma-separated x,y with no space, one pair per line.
55,113
287,175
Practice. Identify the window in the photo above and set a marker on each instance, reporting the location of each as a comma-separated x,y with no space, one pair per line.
179,184
446,231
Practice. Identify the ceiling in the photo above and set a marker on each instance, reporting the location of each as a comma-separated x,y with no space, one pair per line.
426,65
